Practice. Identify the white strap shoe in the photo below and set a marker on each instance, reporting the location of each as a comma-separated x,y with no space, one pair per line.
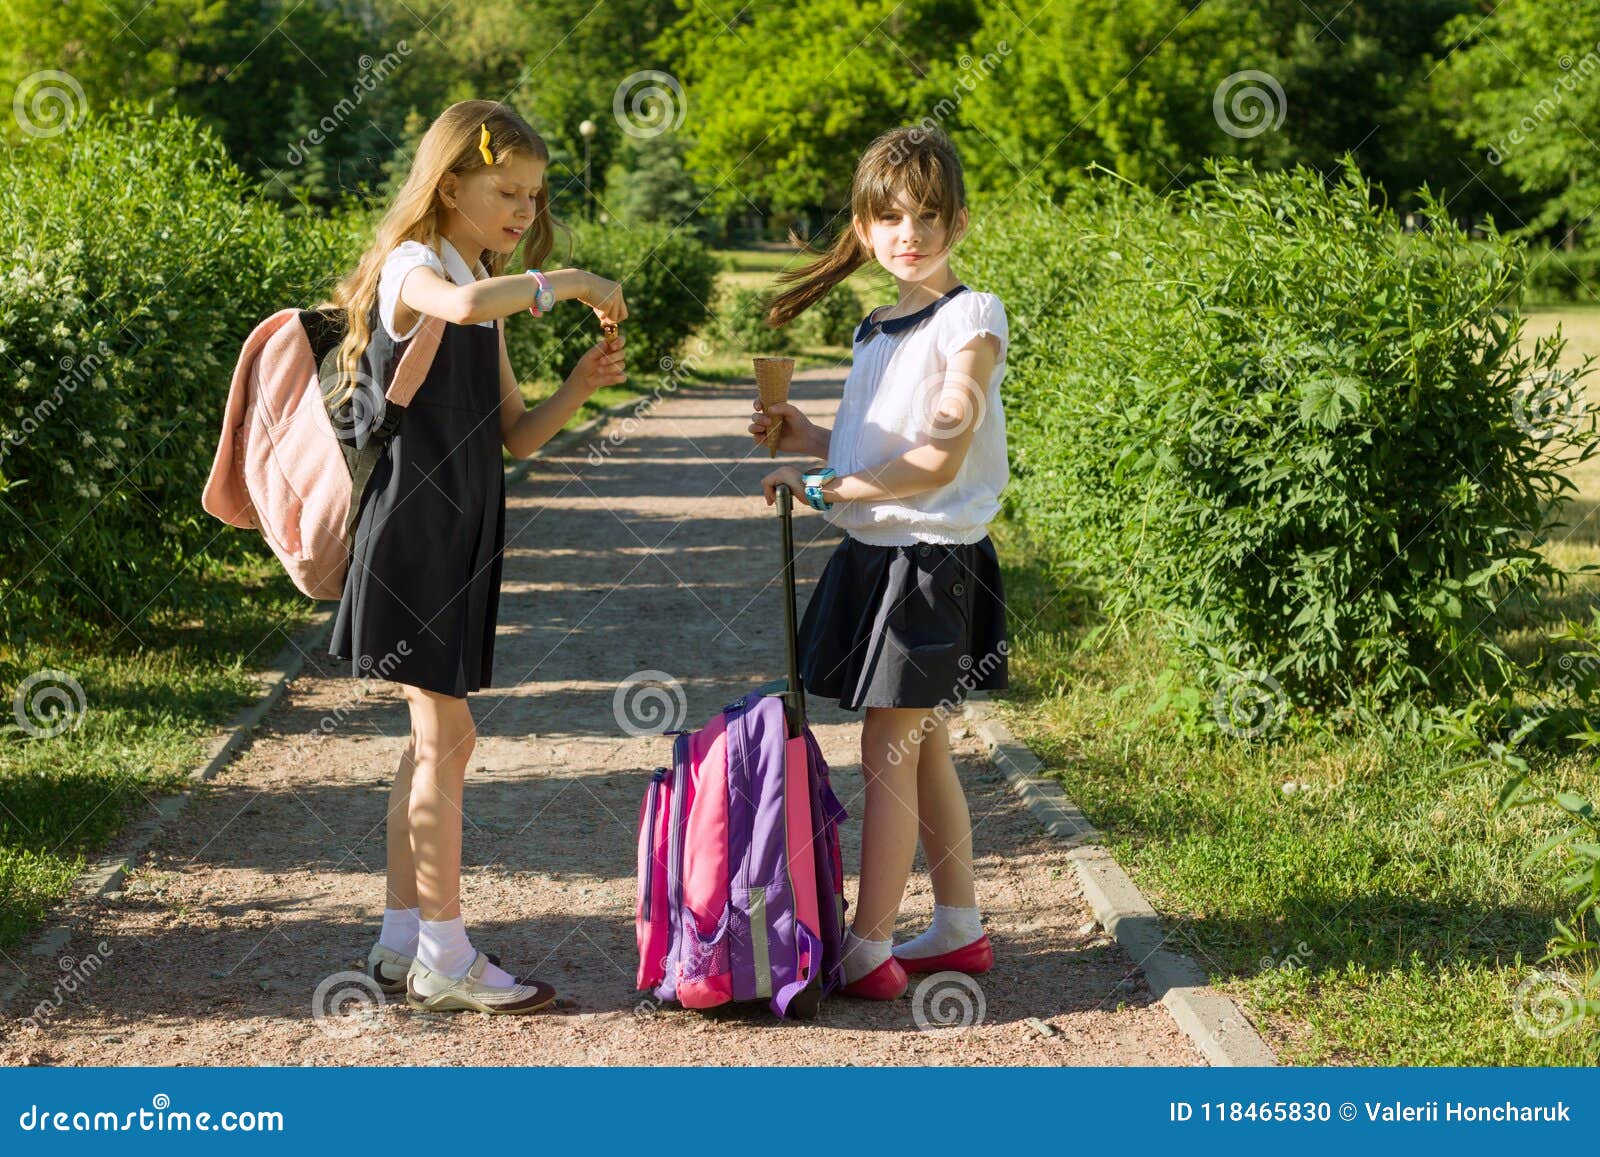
388,969
435,992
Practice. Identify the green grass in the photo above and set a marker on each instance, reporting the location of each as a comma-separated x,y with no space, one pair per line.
150,699
1378,914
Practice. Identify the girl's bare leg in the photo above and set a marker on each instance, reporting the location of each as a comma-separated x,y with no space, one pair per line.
442,739
945,822
402,868
890,737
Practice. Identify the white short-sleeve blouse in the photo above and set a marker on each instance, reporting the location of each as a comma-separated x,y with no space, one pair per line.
405,257
890,398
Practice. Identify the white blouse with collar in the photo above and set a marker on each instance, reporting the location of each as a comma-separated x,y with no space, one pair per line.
890,398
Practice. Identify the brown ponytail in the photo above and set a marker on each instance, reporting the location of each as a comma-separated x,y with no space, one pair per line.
828,267
911,159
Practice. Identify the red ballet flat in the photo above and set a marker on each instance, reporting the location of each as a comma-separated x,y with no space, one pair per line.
886,982
972,959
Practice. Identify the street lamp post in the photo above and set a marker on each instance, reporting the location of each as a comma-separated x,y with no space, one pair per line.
586,131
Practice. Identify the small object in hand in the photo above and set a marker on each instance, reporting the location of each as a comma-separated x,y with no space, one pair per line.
772,381
608,329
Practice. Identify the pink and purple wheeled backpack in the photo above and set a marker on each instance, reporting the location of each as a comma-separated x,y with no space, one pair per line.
741,882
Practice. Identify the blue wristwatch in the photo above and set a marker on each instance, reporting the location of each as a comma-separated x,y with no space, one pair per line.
814,480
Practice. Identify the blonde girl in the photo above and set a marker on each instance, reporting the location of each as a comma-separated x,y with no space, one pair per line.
909,615
420,602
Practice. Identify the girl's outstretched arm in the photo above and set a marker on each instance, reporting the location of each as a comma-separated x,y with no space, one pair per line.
523,430
935,461
425,292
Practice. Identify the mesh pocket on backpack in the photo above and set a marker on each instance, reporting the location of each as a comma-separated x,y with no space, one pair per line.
705,968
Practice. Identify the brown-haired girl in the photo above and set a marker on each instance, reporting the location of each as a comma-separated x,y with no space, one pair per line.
909,615
420,602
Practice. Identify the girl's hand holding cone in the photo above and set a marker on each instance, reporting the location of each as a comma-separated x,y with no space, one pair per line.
796,433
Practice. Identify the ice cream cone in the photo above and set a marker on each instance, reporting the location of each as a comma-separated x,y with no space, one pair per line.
772,381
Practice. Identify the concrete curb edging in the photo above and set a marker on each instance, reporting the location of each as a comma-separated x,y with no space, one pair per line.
1222,1033
107,871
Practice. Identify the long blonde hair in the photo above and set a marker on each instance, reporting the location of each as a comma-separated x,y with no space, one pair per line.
913,160
449,146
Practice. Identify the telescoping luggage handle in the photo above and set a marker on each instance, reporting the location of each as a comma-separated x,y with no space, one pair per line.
788,689
794,697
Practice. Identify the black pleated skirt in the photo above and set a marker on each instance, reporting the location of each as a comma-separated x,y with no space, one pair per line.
905,626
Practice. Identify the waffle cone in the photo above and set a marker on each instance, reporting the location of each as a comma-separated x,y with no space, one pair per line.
772,382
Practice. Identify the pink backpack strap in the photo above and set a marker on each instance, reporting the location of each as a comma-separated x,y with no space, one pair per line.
415,362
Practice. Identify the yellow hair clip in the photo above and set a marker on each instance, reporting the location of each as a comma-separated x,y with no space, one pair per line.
483,145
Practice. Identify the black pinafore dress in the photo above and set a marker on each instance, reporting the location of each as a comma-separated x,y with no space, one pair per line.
423,589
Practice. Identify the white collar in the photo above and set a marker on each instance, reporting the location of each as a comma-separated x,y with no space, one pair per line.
456,265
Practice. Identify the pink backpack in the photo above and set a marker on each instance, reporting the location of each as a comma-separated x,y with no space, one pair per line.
741,880
288,467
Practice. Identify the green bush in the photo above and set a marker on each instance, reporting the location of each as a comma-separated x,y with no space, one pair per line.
742,324
667,280
832,321
1306,440
140,258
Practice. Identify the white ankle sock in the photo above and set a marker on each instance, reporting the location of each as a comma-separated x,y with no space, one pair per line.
952,928
399,932
443,946
862,956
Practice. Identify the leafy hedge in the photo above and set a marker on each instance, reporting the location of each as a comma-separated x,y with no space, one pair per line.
832,321
139,260
1305,439
742,323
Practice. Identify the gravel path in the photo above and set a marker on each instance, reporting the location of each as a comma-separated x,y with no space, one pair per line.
651,552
